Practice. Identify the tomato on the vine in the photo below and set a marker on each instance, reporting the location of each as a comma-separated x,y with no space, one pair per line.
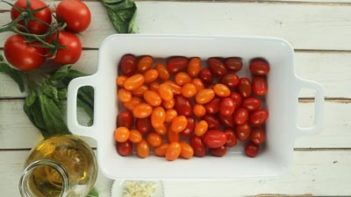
70,48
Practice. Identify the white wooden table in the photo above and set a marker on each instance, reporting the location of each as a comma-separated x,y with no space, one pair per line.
319,30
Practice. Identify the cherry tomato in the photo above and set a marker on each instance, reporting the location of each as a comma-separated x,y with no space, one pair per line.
176,89
178,124
198,146
176,64
259,117
189,90
189,129
187,151
182,105
227,106
162,72
243,132
258,136
150,75
145,63
233,63
161,129
206,76
198,84
173,151
124,148
152,98
121,134
75,14
134,82
173,136
259,67
135,136
23,55
214,138
124,95
252,103
161,150
158,117
237,98
194,66
154,139
252,150
221,90
142,149
213,106
212,121
140,90
142,110
168,104
71,48
231,138
259,86
132,103
165,92
216,66
201,128
199,110
218,152
204,96
143,125
231,80
128,65
154,86
170,114
182,78
120,80
228,121
125,119
245,87
241,116
41,13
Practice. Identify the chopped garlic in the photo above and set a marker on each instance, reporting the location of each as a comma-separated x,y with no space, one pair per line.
138,189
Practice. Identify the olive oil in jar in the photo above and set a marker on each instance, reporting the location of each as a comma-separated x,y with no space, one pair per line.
59,166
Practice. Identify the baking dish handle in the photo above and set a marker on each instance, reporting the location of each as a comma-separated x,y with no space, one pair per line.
72,121
318,107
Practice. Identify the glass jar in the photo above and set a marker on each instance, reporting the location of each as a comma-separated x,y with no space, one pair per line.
61,166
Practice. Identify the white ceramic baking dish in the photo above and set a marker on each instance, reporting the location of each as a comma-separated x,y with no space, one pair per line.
282,101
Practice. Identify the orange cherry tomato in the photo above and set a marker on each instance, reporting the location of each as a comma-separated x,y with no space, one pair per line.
154,86
187,151
199,110
150,75
176,89
132,103
194,66
189,90
161,150
170,115
145,63
134,82
173,136
152,98
142,110
182,78
120,80
201,128
221,90
204,96
142,149
169,104
135,136
154,139
121,134
124,95
198,84
179,123
158,117
165,92
162,71
140,90
173,151
161,129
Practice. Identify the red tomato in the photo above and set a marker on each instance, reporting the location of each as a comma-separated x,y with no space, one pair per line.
237,98
71,48
212,121
241,116
218,152
189,129
258,136
259,117
128,65
125,119
198,146
214,138
43,17
252,150
231,80
233,63
143,125
259,67
75,14
125,148
231,138
182,105
213,106
228,121
23,55
243,132
176,64
259,86
206,76
216,66
252,103
245,87
227,106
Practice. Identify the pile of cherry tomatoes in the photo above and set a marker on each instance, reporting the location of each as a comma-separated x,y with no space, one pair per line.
183,108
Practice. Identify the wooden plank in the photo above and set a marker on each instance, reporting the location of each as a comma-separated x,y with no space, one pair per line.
306,26
312,173
16,131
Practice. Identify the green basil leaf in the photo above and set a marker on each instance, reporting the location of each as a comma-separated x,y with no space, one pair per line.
93,193
35,115
13,73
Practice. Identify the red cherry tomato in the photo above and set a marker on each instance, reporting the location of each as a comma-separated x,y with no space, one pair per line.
128,65
124,148
218,152
143,125
228,121
75,14
259,67
214,138
183,106
252,150
212,121
245,87
241,116
231,138
252,103
71,48
176,64
231,80
189,129
198,146
216,66
206,76
237,98
227,106
213,106
258,136
259,86
258,117
233,63
125,119
243,132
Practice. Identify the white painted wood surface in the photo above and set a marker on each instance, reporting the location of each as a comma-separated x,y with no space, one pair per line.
320,31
